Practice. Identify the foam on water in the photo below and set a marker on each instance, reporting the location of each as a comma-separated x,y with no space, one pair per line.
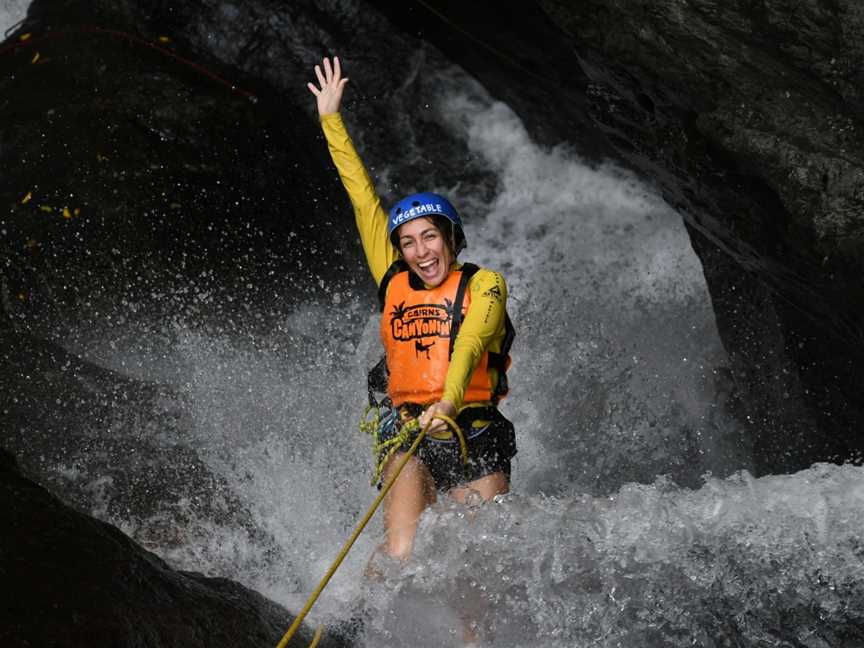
618,367
740,561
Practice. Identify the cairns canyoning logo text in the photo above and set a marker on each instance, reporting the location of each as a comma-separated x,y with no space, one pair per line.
421,321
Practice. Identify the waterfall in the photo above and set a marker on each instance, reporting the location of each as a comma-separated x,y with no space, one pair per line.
633,520
11,13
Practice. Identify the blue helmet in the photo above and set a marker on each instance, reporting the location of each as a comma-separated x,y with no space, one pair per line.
429,205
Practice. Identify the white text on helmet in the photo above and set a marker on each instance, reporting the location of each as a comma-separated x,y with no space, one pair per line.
419,210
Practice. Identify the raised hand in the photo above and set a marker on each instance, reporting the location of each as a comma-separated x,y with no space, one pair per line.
328,92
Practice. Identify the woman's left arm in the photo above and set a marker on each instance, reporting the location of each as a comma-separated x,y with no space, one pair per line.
482,330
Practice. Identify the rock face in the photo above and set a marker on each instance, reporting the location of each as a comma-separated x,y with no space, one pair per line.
132,170
73,581
753,111
748,118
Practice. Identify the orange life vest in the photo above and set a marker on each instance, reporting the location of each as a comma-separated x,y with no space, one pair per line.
416,331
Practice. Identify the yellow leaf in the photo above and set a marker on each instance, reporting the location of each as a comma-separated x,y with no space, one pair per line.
35,58
67,213
27,198
22,296
164,39
46,209
77,211
26,36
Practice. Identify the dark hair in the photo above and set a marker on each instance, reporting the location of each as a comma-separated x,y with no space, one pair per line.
448,231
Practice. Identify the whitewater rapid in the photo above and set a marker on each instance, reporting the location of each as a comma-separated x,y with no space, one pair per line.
633,520
11,13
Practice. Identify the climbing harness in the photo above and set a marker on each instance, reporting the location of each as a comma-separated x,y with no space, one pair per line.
396,431
358,530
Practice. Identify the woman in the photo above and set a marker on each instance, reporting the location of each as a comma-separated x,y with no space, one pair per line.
441,359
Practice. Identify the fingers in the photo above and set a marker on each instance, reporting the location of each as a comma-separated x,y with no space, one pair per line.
313,89
332,73
430,415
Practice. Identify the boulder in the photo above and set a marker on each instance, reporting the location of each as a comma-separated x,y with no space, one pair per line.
73,581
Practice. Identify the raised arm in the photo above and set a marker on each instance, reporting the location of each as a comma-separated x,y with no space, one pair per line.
368,214
328,92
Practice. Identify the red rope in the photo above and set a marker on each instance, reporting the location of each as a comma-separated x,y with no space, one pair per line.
133,39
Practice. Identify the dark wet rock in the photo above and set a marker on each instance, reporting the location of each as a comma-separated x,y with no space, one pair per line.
753,113
135,170
73,581
520,55
747,117
120,449
395,83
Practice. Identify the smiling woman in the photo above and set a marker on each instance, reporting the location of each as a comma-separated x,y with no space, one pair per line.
420,236
446,337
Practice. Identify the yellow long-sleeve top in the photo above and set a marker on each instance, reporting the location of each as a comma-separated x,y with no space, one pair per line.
483,325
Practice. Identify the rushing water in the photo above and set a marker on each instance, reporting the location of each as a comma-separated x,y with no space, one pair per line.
11,12
633,520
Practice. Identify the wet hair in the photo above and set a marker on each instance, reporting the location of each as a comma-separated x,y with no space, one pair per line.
448,231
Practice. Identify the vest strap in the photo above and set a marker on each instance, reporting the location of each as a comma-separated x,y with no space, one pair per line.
468,271
498,361
395,268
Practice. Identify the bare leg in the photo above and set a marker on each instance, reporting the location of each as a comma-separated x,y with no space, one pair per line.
487,487
412,493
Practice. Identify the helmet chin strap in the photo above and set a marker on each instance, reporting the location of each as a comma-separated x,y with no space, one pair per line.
452,240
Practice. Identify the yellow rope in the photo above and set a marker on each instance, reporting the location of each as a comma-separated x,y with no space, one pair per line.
384,450
360,526
317,637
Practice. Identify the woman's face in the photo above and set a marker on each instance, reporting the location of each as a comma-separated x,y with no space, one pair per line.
425,250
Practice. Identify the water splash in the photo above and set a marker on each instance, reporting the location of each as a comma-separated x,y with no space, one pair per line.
619,374
11,13
740,561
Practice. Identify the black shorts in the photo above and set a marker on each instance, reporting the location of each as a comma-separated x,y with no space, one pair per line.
491,442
